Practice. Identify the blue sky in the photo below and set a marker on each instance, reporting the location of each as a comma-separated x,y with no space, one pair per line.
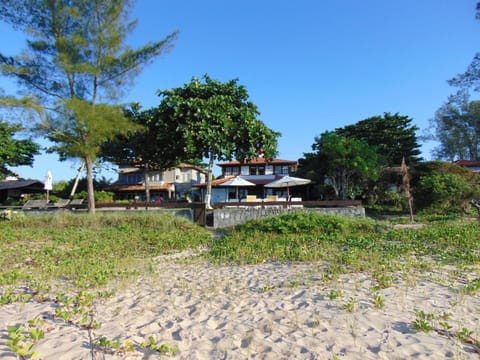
309,65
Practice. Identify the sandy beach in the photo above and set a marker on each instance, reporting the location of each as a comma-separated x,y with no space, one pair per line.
267,311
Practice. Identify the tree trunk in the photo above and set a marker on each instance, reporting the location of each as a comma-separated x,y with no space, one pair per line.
333,183
208,196
147,186
90,189
77,179
344,184
406,187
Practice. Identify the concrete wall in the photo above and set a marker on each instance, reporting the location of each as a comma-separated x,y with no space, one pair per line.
228,217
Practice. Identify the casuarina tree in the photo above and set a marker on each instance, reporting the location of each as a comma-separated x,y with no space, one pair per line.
457,121
457,128
78,66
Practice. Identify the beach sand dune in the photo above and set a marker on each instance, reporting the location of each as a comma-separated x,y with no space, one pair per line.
268,311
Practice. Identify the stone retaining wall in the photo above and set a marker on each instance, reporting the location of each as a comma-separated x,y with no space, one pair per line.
228,217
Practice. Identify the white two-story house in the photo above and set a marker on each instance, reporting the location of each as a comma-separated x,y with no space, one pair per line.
171,184
258,171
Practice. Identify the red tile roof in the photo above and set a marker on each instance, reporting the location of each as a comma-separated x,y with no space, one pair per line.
259,161
220,181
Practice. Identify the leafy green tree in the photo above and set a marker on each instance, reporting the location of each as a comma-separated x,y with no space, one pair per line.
217,122
77,65
394,136
344,163
457,128
13,151
154,145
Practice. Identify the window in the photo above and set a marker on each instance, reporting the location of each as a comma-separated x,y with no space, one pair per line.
132,179
281,169
154,177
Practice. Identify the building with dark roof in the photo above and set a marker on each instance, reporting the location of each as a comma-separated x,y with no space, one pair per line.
17,189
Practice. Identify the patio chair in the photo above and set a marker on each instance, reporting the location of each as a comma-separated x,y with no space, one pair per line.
60,203
35,204
76,204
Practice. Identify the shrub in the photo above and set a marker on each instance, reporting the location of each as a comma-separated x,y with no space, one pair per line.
299,236
100,196
444,192
443,187
104,196
295,223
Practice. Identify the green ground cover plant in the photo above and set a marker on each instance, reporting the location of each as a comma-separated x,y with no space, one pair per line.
89,251
426,322
22,340
348,244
